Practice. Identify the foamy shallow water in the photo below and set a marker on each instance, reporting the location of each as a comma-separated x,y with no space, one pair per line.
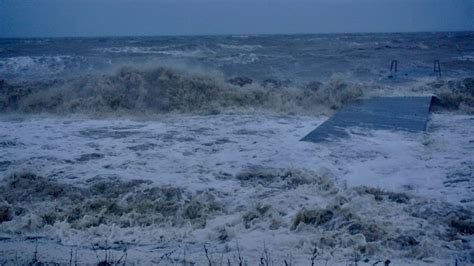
261,177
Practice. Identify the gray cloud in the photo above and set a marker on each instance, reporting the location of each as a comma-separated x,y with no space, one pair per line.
29,18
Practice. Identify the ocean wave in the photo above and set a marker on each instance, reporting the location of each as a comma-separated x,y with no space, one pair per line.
241,36
244,47
164,89
466,58
242,59
131,50
170,90
160,50
38,65
187,53
422,46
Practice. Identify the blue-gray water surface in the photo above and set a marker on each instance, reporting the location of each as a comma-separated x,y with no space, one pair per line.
286,57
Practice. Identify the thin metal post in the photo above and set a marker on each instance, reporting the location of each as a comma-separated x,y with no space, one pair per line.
393,68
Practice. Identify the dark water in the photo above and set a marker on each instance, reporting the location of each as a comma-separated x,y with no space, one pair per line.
294,57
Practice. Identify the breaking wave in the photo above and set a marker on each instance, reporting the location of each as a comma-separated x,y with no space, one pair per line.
455,94
36,66
161,50
244,47
162,90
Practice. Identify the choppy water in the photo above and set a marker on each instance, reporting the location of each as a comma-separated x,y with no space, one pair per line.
287,73
157,184
293,57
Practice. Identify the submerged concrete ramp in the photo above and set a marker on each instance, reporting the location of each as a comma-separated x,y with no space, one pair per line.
389,113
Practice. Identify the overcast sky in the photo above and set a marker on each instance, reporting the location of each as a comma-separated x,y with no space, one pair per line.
52,18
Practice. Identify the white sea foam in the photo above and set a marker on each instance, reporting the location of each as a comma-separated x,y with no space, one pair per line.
131,49
38,65
240,36
181,158
160,50
240,58
245,47
469,58
389,195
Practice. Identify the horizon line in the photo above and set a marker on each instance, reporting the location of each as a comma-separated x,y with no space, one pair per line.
234,34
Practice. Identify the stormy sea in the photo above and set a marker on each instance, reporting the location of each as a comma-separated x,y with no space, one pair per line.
187,151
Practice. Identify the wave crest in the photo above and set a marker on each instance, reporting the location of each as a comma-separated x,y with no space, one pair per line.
162,90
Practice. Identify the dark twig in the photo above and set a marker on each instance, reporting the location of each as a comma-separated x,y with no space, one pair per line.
207,255
314,256
241,262
124,257
95,251
70,258
290,260
168,254
266,257
356,257
35,255
75,259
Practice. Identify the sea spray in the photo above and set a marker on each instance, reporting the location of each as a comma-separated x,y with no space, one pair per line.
163,90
